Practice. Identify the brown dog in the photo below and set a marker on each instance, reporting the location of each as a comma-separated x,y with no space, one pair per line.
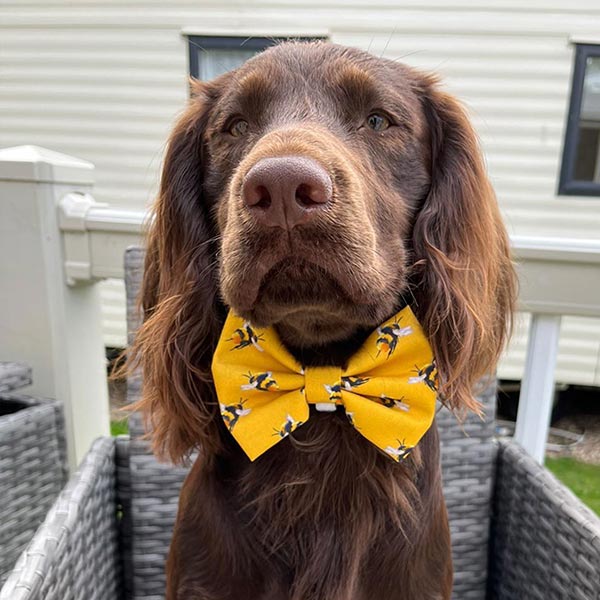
316,189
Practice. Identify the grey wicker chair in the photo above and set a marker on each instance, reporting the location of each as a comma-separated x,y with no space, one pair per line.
33,463
517,532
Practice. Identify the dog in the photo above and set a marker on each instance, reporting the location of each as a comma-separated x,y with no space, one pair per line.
316,189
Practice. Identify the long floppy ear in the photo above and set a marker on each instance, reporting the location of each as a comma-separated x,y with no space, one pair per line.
182,313
465,282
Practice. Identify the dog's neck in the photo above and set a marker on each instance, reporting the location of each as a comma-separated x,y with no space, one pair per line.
332,351
336,352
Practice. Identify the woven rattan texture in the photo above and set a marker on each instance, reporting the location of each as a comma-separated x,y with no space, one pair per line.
468,460
546,544
33,470
14,376
155,486
74,555
123,498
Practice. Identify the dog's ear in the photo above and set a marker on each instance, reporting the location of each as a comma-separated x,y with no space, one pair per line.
179,297
465,283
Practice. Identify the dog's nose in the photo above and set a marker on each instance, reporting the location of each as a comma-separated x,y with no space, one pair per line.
286,191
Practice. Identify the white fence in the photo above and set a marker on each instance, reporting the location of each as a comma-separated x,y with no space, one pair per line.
56,243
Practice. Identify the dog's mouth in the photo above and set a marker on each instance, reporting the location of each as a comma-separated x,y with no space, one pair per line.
293,285
323,274
309,300
299,285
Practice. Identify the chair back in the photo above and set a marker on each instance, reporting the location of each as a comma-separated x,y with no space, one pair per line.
155,486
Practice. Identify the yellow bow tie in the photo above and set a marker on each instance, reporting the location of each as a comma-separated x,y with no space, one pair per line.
388,389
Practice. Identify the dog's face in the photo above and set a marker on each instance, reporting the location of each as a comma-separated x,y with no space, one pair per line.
315,189
317,162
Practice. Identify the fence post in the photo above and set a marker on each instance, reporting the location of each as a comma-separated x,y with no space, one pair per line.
45,320
537,387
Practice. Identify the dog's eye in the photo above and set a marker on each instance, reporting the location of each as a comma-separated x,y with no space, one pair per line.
378,122
238,128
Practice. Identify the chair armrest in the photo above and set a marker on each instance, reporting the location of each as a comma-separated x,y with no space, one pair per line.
74,553
33,469
14,376
545,542
13,423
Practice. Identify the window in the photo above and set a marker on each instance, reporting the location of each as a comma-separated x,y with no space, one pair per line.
211,56
580,172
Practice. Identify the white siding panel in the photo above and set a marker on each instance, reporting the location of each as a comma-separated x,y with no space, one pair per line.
104,81
254,15
112,294
514,6
578,356
60,88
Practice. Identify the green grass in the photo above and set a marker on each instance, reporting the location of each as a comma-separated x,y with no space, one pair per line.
119,427
581,478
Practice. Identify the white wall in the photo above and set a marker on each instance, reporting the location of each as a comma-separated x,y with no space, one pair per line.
104,80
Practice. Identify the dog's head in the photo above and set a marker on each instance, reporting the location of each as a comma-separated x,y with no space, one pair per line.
315,189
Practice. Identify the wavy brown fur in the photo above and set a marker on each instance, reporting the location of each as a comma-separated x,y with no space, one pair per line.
175,342
324,515
465,284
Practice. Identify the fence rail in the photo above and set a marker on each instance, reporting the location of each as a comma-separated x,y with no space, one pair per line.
60,231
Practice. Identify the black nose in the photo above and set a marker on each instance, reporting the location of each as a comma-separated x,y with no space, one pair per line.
286,191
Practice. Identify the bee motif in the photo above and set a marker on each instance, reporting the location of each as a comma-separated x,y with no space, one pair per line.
399,452
351,382
288,426
334,391
394,402
389,336
232,413
428,375
246,336
261,381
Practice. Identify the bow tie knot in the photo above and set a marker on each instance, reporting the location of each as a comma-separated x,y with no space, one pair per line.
387,390
323,387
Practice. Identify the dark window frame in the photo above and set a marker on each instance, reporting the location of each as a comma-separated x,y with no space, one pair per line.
233,42
568,185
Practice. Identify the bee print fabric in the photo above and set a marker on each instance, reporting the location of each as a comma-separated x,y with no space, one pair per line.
387,391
